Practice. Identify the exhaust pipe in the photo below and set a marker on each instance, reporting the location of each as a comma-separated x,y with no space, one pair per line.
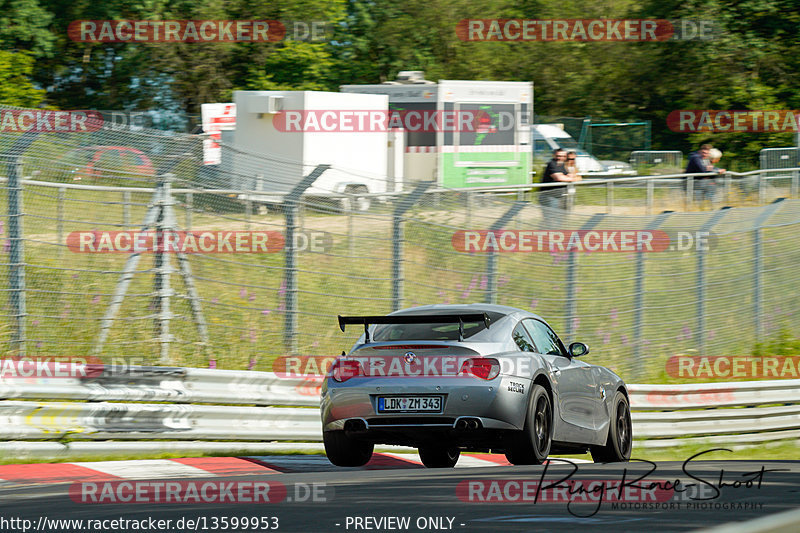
355,425
465,424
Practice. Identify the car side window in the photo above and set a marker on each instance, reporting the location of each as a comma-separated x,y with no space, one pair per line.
544,338
523,340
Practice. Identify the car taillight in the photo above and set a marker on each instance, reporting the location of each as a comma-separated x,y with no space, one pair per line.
344,369
481,367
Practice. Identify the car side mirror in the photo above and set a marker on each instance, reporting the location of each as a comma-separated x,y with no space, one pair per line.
577,349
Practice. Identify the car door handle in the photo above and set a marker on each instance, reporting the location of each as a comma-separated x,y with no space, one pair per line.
556,371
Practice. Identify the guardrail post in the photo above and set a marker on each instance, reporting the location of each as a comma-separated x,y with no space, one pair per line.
758,264
610,196
16,256
650,195
638,303
491,260
398,241
572,301
701,279
290,208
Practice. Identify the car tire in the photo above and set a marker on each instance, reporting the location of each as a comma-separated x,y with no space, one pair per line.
437,456
620,434
532,446
345,451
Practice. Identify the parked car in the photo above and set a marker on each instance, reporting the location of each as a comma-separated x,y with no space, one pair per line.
548,137
479,377
93,162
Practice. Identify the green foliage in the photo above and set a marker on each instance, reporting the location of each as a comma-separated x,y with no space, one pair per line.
751,63
15,85
784,344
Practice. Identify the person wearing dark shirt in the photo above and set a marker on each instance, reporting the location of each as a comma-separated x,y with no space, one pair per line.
705,187
556,172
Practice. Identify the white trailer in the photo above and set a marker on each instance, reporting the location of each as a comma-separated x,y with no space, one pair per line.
281,136
492,150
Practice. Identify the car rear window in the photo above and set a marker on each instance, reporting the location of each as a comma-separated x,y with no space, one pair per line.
432,331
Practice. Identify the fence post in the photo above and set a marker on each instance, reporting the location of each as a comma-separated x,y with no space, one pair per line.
570,197
758,263
689,193
793,191
700,335
163,270
470,200
248,207
571,302
726,180
610,196
762,189
650,197
351,244
189,209
491,260
60,220
16,256
638,303
126,209
398,241
290,207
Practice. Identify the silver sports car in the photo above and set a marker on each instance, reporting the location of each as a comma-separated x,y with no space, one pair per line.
478,377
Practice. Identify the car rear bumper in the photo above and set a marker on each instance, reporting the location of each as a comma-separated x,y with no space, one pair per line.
472,409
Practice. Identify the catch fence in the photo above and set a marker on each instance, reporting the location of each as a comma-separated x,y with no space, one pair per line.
241,309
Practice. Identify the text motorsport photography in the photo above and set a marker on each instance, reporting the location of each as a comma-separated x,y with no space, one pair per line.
632,488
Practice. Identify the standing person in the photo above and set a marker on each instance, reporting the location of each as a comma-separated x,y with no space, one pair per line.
572,166
705,187
555,172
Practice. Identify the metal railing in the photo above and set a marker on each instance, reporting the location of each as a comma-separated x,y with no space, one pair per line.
214,405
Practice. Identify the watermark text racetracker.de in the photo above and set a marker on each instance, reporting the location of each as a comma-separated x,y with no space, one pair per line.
725,367
417,120
733,121
585,241
195,242
586,30
198,492
49,121
198,31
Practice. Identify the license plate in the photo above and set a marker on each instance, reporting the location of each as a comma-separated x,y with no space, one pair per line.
409,403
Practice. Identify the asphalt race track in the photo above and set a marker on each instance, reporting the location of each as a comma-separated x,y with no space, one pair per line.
381,497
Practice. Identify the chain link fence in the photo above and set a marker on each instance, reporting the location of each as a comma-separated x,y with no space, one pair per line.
327,252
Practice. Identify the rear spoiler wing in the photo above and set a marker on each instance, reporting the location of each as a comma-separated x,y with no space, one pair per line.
416,319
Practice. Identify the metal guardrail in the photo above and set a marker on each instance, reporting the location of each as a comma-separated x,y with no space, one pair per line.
262,406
